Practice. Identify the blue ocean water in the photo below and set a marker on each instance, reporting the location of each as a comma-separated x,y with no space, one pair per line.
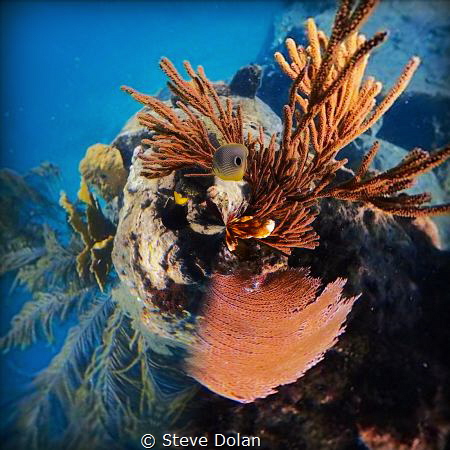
63,65
64,62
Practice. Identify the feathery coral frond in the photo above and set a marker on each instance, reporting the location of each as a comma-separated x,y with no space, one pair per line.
57,381
121,392
39,314
330,104
181,142
259,333
15,259
54,268
378,190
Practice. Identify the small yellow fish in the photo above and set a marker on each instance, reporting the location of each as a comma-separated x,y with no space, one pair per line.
179,199
230,162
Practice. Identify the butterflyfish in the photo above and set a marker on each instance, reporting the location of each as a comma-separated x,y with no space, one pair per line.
230,162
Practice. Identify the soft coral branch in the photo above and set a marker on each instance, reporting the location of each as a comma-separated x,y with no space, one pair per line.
381,190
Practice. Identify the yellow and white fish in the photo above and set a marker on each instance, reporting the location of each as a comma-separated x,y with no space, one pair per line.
230,162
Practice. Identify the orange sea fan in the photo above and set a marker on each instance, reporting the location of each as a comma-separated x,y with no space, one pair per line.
261,332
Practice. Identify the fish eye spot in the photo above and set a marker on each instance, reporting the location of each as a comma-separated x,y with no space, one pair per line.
237,161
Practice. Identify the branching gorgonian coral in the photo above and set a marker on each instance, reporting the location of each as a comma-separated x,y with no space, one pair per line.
330,104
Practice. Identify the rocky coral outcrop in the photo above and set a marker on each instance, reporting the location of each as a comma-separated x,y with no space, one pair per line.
385,381
164,248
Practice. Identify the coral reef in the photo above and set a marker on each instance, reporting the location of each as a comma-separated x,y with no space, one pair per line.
329,105
216,279
163,247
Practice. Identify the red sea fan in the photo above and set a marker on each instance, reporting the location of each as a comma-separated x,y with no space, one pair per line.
261,332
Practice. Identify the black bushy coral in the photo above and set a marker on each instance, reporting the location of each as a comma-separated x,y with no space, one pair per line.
105,386
24,201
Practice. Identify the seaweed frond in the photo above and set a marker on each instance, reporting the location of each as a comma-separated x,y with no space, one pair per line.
35,189
43,257
106,384
100,396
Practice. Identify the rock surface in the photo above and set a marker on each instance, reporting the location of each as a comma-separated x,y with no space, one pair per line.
246,81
